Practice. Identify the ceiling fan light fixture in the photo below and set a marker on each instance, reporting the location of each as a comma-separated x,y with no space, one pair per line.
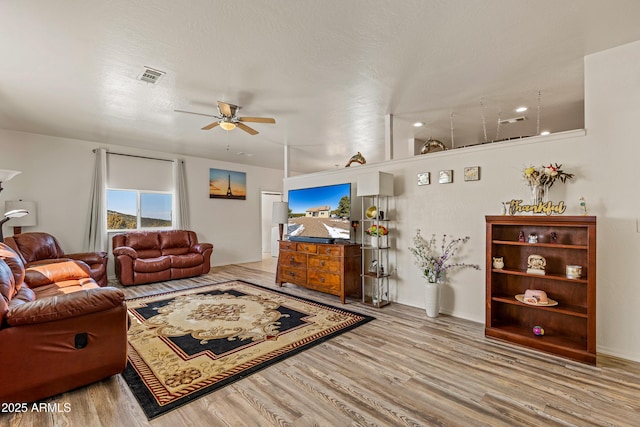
418,124
521,109
227,125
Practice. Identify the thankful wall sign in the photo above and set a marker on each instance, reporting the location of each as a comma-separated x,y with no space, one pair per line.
516,207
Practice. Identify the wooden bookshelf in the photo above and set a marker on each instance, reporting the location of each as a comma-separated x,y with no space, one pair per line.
570,326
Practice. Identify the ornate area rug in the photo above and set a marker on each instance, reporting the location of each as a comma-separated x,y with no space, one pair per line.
185,344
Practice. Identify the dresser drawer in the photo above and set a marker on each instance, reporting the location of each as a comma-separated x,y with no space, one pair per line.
334,250
297,276
287,246
324,263
325,282
292,259
309,248
333,269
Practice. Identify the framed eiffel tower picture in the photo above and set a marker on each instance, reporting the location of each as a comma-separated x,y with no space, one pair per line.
225,184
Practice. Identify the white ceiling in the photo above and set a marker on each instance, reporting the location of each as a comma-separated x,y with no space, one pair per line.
328,71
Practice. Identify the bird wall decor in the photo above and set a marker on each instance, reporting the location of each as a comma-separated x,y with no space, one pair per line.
356,158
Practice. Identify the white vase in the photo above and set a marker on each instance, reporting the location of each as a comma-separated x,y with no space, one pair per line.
432,299
379,241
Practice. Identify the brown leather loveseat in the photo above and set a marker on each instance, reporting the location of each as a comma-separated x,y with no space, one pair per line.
59,330
155,256
42,248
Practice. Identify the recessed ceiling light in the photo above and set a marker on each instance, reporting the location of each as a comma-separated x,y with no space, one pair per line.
418,124
545,132
521,109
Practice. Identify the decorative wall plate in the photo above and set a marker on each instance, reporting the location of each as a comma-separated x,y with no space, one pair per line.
446,177
424,178
472,173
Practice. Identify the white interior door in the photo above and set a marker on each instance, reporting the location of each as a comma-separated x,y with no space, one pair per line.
268,240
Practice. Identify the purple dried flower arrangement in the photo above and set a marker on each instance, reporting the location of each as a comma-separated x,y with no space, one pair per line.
435,264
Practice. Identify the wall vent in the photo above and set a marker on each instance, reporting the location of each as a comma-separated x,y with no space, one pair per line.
513,120
150,75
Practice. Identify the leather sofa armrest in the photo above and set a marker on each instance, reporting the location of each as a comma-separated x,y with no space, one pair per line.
65,306
45,274
125,250
89,257
48,261
201,248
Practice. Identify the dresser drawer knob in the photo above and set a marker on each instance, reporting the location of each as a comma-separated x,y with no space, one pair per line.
322,263
291,273
292,259
322,279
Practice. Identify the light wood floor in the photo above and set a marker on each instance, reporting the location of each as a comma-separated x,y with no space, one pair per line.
400,369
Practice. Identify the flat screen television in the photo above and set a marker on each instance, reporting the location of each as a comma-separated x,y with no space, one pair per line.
321,213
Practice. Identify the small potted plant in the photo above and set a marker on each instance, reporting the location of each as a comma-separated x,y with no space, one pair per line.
378,235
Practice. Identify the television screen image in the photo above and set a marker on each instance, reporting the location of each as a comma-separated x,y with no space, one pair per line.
321,212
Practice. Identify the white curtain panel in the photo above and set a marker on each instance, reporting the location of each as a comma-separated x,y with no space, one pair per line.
181,207
96,239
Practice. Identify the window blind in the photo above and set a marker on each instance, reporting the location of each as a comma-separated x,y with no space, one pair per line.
139,173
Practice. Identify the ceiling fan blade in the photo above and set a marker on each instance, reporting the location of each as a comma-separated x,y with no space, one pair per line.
191,112
247,128
227,109
211,126
257,119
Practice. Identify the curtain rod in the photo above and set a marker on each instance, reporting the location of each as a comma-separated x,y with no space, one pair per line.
133,155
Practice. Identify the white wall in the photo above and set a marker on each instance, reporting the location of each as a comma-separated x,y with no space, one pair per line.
612,116
603,160
57,174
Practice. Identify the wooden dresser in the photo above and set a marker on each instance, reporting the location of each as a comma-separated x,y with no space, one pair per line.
333,269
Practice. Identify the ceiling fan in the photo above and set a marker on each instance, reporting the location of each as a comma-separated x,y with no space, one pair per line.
228,119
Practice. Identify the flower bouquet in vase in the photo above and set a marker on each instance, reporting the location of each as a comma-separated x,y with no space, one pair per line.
434,262
378,235
540,179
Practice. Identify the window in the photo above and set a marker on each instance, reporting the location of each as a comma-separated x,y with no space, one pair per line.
135,209
139,193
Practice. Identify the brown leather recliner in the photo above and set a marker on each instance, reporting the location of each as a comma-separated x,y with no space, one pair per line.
58,329
155,256
42,248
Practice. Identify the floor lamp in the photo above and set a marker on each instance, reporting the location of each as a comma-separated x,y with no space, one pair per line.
6,175
18,213
30,220
280,215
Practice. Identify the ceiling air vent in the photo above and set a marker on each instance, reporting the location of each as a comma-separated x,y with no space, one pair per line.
150,75
513,120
